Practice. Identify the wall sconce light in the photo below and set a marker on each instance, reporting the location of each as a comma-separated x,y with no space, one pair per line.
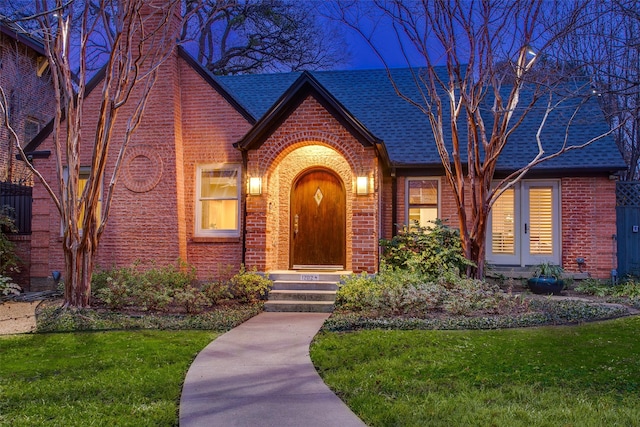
362,185
255,186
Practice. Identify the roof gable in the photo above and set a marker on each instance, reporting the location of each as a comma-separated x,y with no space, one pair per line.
16,32
304,86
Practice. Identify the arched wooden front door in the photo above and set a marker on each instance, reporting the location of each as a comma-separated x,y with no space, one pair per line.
318,221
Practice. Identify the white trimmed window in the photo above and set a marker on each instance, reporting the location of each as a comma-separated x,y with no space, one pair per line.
423,195
218,200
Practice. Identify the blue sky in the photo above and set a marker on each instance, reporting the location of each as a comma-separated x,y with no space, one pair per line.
362,56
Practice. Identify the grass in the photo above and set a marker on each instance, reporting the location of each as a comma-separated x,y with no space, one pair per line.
587,375
121,378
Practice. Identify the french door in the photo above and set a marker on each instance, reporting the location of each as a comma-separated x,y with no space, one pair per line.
524,225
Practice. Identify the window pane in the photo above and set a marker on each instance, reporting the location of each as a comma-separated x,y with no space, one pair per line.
31,129
541,221
424,216
219,184
503,224
423,192
219,215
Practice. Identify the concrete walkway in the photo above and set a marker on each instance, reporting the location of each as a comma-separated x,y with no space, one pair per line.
260,375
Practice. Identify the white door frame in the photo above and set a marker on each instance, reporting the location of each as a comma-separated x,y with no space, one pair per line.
522,255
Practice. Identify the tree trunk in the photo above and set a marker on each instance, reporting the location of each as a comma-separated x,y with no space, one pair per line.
79,262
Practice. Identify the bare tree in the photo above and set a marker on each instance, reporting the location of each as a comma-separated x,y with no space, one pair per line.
607,48
253,36
138,41
477,82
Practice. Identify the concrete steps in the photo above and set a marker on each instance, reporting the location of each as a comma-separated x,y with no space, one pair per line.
303,291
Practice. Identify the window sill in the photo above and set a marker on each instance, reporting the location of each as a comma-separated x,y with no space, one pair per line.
211,239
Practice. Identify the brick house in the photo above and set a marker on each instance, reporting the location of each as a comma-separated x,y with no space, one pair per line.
307,171
25,79
26,82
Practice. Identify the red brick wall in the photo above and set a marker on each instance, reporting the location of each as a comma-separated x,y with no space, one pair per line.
29,96
209,128
186,123
146,220
588,224
588,220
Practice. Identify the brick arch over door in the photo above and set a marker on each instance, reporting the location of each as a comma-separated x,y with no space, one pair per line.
267,157
280,181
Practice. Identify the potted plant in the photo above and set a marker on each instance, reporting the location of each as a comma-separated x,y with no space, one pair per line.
547,279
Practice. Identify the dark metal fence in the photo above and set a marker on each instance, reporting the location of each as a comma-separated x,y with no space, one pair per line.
17,200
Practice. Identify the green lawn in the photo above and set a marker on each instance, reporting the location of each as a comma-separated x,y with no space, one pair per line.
581,376
95,378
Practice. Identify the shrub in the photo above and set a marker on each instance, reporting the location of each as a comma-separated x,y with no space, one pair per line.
358,292
7,287
158,289
216,291
191,298
154,296
115,287
427,250
249,286
151,289
628,289
593,287
114,293
9,261
178,276
395,291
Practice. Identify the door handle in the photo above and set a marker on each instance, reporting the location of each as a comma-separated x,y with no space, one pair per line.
525,228
295,225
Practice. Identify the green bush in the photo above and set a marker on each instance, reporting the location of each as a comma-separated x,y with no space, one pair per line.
627,289
249,286
161,288
153,289
114,293
358,292
191,298
9,261
426,250
216,291
593,287
395,291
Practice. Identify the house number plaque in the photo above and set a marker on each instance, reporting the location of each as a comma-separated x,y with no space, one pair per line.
309,277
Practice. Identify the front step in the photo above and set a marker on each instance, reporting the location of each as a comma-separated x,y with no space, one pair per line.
299,306
303,291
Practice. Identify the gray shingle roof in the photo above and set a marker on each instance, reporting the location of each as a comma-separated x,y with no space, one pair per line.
370,97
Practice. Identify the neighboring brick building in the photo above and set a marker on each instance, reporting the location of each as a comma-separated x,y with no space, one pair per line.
310,170
26,82
25,79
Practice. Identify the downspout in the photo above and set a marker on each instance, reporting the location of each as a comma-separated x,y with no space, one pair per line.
245,163
394,202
